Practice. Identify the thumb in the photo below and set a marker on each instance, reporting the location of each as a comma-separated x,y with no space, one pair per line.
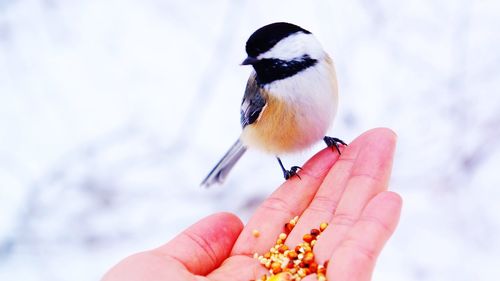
205,245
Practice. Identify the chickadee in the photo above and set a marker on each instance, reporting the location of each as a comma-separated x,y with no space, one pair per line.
290,99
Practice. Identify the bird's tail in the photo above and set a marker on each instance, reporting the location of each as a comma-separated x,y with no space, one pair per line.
222,169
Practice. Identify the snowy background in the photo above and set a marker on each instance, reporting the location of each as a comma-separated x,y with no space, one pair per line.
112,112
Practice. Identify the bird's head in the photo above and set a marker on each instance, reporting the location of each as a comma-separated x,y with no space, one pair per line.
281,50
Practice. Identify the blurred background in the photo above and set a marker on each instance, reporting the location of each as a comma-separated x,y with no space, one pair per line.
112,112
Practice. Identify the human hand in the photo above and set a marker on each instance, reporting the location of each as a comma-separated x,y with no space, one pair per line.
350,193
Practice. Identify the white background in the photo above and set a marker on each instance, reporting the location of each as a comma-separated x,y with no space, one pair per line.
112,112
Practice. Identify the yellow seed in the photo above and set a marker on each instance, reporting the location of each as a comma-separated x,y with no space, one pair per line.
282,236
323,226
301,272
292,255
276,267
308,257
321,269
283,276
285,264
307,248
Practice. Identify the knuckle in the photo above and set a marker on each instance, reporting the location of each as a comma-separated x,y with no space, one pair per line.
274,203
204,245
323,204
362,253
343,219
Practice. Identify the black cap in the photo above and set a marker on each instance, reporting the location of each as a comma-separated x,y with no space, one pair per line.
264,38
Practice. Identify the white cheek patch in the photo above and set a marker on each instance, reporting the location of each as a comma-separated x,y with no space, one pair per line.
295,46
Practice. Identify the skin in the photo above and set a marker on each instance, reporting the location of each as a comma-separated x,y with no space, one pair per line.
349,192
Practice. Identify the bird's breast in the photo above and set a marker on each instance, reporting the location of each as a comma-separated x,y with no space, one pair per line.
298,112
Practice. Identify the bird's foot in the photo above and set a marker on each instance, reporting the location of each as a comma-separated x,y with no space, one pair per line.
334,142
292,172
289,173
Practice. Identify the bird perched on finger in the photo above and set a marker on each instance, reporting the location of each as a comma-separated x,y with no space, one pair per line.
290,99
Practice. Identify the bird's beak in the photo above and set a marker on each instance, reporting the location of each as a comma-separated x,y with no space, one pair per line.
249,60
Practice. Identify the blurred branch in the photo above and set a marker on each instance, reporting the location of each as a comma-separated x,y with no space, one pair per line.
210,77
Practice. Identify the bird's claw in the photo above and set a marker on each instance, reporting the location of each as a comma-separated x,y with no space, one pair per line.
334,142
292,172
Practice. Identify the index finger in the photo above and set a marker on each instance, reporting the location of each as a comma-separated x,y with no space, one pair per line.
288,201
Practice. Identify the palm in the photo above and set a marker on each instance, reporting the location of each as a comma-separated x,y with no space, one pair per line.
350,193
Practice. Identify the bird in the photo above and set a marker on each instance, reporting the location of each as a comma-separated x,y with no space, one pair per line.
290,99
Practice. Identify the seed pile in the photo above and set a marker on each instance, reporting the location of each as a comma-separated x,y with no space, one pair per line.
287,264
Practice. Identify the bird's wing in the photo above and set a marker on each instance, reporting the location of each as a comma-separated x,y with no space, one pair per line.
253,102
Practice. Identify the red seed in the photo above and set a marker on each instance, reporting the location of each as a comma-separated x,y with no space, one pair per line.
307,238
282,248
313,267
